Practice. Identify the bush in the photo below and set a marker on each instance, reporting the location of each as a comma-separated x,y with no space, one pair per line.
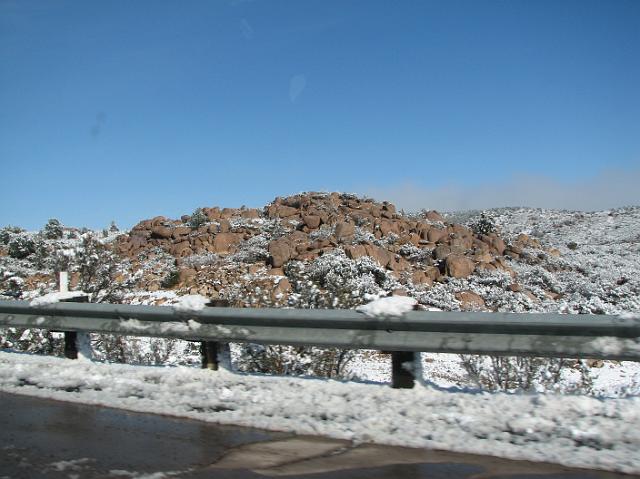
21,246
98,267
198,218
8,232
294,360
52,230
485,225
510,374
171,279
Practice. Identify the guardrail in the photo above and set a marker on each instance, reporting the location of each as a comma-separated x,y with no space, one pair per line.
510,334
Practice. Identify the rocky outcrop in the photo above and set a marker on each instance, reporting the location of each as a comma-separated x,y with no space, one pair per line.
418,249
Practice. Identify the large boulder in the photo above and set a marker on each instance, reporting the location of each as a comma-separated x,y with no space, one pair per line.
224,242
279,253
345,230
311,221
161,232
458,266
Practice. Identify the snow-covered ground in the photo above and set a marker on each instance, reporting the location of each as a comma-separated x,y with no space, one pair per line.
571,430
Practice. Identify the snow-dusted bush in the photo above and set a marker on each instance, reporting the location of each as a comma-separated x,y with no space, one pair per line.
484,225
98,266
37,341
143,350
252,250
53,229
21,246
335,281
293,360
511,374
198,218
8,232
171,279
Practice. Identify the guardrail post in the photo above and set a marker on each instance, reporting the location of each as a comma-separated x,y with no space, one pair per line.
213,353
70,337
402,369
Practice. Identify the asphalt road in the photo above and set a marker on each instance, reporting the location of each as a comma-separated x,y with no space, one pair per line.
49,439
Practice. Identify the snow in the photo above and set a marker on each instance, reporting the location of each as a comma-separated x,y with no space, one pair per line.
578,431
392,306
191,302
52,298
83,346
613,345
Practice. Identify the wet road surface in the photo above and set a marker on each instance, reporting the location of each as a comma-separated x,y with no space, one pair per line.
52,439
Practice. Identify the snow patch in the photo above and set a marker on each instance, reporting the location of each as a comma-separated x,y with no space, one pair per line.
191,302
52,298
392,306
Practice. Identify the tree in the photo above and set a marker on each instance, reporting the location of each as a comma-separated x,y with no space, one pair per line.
198,218
53,229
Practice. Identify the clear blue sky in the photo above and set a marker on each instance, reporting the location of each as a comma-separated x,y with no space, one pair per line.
130,109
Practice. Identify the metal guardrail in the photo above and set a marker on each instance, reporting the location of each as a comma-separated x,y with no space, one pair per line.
545,335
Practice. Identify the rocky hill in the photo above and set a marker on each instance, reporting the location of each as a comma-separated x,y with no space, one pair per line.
338,247
337,250
317,250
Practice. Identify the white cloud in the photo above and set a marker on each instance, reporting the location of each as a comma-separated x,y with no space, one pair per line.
610,189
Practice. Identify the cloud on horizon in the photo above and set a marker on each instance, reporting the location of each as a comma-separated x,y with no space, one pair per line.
609,189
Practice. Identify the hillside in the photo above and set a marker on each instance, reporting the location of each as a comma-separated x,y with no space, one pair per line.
332,250
317,250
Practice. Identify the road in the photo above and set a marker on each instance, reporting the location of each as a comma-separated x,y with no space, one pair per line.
49,439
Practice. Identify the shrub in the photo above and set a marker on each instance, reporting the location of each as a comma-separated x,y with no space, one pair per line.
8,232
510,374
98,267
484,225
294,360
52,230
171,279
198,218
21,246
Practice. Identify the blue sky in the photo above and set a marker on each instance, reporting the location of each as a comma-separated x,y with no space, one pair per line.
127,110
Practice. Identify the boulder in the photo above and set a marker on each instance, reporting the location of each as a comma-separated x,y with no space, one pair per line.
224,226
285,211
312,221
181,249
470,300
250,213
457,266
355,252
381,255
279,253
420,277
441,252
186,274
161,232
436,235
344,230
434,216
387,227
180,231
224,242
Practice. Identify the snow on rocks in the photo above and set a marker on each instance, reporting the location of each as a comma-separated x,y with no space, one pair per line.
575,431
392,306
